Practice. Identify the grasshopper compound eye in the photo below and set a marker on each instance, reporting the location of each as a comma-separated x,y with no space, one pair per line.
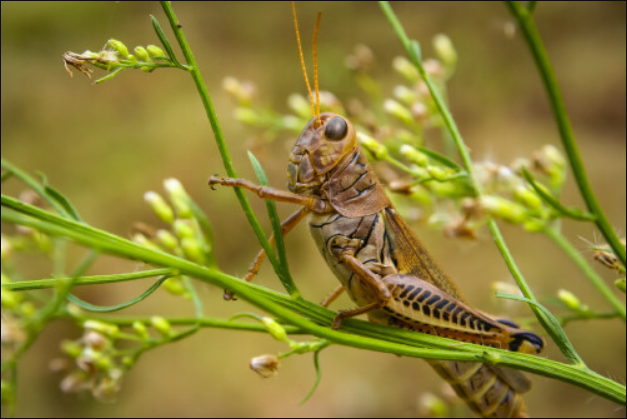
336,129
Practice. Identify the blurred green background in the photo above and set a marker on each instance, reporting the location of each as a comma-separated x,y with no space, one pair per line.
105,145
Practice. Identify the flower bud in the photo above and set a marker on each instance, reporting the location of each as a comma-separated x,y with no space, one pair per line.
106,329
161,325
502,208
142,54
620,284
440,174
118,47
71,348
156,52
405,68
248,116
265,365
570,300
183,229
174,286
431,406
413,155
95,340
445,50
299,105
406,95
528,198
376,148
276,330
5,248
159,206
193,250
398,111
179,198
141,330
139,238
167,239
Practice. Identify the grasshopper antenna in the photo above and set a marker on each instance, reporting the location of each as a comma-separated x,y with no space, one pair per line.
315,63
302,63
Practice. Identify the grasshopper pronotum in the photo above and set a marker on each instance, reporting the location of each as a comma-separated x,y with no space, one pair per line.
382,265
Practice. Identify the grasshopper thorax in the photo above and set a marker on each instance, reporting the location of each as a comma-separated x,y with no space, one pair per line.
323,144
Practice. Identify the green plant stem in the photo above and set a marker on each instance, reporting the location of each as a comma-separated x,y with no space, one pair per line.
310,317
553,329
558,238
217,131
85,280
524,17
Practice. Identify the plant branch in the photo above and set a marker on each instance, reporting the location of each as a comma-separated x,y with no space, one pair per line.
308,316
524,17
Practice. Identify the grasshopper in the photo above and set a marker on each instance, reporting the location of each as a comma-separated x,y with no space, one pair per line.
382,265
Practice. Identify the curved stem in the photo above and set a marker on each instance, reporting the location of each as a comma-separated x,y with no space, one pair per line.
525,21
310,317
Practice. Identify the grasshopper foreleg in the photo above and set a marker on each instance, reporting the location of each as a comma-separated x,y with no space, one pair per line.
314,203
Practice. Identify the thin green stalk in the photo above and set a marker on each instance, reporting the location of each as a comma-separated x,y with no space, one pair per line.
574,254
364,335
217,131
524,17
412,48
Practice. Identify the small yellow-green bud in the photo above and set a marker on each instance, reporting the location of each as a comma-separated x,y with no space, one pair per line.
178,196
106,329
71,348
5,248
503,208
10,300
265,365
141,330
159,206
139,238
118,47
413,155
248,116
27,309
95,340
299,105
155,52
243,91
161,325
534,225
128,361
398,111
132,59
445,50
142,54
569,299
376,148
620,284
291,122
440,174
5,279
7,393
276,330
183,229
167,239
554,155
431,406
193,250
174,286
104,363
528,198
406,95
405,68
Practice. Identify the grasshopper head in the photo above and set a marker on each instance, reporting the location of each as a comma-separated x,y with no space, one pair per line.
527,343
322,145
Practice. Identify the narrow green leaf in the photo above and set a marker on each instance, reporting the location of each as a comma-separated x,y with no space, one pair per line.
107,309
545,195
63,201
440,158
553,327
318,378
276,226
207,230
110,75
164,40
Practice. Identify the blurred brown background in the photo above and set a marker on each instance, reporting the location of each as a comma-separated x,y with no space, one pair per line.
105,145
